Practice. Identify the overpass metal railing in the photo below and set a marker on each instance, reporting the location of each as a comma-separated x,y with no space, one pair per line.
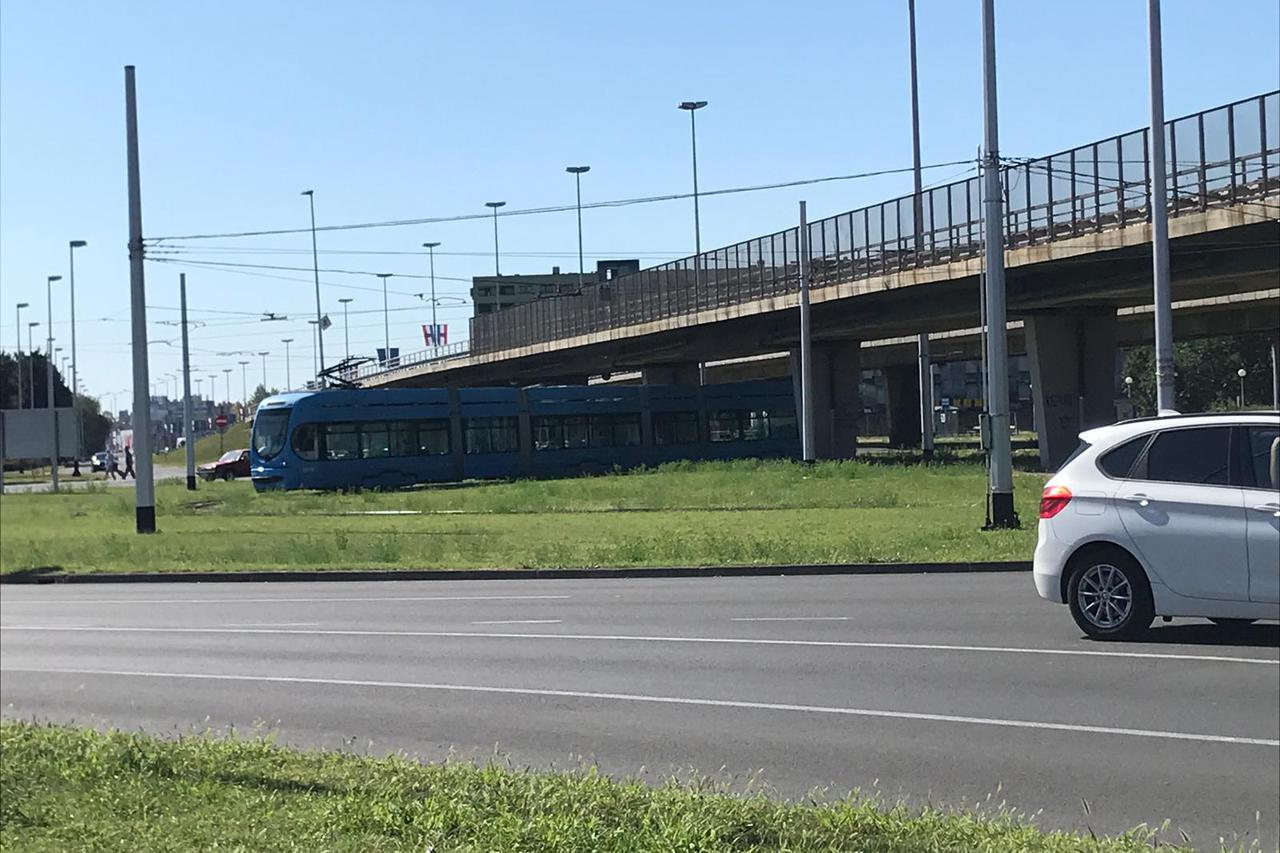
1217,157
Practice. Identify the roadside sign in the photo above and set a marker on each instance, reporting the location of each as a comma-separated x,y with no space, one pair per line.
221,421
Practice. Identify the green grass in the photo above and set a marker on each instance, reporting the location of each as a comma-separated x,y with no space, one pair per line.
699,514
76,789
235,438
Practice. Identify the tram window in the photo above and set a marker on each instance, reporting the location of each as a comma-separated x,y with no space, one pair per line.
306,442
783,425
725,426
548,434
402,438
626,430
433,438
375,440
577,432
675,428
560,432
341,441
490,435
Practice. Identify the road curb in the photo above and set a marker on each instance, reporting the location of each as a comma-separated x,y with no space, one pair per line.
518,574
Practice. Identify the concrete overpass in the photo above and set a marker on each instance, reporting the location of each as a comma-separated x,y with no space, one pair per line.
1077,236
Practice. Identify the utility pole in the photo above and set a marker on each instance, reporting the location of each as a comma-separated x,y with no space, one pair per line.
187,414
75,374
1166,399
806,345
346,334
494,205
288,383
1000,454
922,341
263,355
435,326
386,322
145,487
577,171
48,365
315,264
17,325
244,384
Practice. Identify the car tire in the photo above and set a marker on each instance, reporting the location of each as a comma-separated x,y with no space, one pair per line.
1108,594
1231,623
226,475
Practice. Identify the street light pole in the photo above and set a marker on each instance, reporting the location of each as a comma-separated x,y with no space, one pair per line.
494,205
693,107
922,340
1166,399
244,384
577,171
187,414
288,383
435,328
144,478
1242,373
263,356
48,363
1001,457
386,321
75,374
314,364
17,328
315,264
31,362
346,330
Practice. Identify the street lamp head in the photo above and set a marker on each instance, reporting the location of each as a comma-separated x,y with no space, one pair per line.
345,299
577,170
1128,380
1242,373
384,276
32,324
430,245
692,105
308,192
268,352
78,244
495,204
54,278
286,340
23,305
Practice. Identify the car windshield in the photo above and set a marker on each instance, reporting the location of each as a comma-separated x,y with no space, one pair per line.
269,431
230,456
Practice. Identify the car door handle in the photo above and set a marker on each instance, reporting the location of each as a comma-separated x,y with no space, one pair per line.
1274,509
1139,499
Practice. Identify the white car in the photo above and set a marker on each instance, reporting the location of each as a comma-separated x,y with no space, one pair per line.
1169,516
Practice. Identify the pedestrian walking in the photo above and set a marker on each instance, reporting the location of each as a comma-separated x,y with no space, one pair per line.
128,464
111,465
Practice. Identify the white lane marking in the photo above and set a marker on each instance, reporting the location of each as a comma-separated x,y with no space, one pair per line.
270,624
673,700
291,600
640,638
520,622
789,618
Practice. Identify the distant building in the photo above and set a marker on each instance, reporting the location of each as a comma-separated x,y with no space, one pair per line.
494,293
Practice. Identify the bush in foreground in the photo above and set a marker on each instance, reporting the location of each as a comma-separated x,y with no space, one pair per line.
65,788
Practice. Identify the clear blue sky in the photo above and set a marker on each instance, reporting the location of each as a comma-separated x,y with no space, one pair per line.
402,109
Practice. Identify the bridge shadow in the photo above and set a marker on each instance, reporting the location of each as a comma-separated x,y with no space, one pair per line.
1266,636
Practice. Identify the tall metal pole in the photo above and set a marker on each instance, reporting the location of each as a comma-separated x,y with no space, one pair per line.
922,341
494,205
315,264
435,326
346,333
145,487
244,384
17,327
1001,458
806,345
48,371
75,375
315,365
263,355
288,383
386,322
1166,400
187,438
577,171
31,362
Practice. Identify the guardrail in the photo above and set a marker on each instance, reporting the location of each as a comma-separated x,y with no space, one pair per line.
1217,157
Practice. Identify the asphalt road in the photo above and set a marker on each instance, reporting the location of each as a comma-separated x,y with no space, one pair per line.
952,689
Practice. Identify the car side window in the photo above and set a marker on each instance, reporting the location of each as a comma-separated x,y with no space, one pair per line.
1264,456
1118,462
1199,455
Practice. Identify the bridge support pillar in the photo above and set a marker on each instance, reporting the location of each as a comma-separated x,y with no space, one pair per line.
1072,355
902,404
687,373
837,399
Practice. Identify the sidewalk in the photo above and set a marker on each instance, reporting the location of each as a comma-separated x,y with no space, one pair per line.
66,481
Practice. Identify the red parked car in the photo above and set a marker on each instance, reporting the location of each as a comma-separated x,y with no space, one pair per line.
232,464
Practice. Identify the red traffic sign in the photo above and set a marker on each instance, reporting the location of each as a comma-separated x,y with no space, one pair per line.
221,421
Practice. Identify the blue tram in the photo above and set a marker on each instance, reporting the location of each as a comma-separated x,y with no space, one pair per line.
357,438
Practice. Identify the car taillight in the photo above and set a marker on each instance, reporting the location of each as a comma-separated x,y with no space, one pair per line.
1054,500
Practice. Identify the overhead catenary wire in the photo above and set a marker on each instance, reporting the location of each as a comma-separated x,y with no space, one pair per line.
532,211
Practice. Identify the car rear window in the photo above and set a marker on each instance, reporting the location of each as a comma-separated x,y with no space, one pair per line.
1190,456
1119,461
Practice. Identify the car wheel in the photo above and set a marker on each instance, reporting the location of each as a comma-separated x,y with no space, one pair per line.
1109,596
226,475
1231,623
